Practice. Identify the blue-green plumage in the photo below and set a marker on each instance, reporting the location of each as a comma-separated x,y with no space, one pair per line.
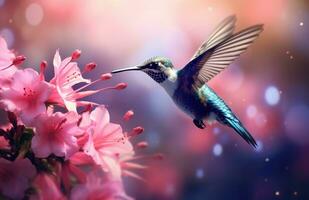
204,104
225,115
188,86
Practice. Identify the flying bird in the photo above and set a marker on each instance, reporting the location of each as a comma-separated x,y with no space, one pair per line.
188,87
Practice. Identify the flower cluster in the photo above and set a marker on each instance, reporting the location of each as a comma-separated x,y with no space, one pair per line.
47,154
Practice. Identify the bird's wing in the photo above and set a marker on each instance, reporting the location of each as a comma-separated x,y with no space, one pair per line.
211,62
223,31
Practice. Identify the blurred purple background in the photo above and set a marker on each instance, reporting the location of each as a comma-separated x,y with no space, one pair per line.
267,87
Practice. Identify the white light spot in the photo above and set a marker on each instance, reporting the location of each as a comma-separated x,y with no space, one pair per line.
277,193
267,159
301,24
2,2
34,14
251,111
272,95
259,147
217,149
216,130
199,173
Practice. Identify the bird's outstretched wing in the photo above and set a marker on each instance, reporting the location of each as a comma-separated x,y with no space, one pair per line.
212,60
223,31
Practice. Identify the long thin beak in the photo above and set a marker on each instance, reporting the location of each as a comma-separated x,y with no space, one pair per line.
126,69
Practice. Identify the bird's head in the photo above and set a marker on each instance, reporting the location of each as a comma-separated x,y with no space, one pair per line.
158,68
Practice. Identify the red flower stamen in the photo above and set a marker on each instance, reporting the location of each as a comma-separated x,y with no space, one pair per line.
128,115
142,145
18,60
89,67
106,76
43,66
76,54
121,86
136,131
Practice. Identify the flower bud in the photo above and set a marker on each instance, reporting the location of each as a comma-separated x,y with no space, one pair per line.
43,65
76,54
121,86
18,60
138,130
128,115
106,76
89,67
142,145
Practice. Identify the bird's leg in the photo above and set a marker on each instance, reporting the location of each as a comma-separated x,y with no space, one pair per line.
199,123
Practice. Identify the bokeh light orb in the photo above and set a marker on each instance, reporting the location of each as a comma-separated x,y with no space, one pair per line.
251,111
259,147
199,173
216,130
296,122
8,35
272,95
217,149
34,14
2,2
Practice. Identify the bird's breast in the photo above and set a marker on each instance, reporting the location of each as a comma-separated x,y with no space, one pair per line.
169,86
191,102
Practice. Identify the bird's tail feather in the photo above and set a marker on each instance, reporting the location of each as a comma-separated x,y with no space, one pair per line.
241,130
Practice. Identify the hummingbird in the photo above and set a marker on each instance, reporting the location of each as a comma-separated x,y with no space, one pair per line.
188,86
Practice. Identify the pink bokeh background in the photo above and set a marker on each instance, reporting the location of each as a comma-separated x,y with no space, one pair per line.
267,87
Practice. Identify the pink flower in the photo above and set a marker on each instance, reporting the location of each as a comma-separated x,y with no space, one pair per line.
26,95
70,170
67,74
106,141
15,177
55,133
97,188
6,59
81,158
86,142
46,188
